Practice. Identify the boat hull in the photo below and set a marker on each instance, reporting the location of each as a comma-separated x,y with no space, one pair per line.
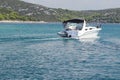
89,34
79,34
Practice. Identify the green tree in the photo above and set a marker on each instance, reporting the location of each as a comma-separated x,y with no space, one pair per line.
13,15
1,17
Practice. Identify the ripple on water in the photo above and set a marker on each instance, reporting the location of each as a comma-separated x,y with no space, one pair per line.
28,55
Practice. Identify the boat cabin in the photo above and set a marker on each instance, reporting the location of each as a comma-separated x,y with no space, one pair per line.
74,24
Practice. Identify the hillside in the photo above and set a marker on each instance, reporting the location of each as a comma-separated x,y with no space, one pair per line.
36,12
28,11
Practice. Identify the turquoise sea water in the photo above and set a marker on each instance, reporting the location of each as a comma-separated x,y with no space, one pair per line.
36,52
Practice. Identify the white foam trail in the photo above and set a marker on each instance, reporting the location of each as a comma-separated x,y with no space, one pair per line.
88,40
49,39
46,39
94,39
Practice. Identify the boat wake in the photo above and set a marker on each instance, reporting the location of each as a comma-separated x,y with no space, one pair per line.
78,39
51,39
46,39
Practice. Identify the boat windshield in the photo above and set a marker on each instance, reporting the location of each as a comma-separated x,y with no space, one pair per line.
74,26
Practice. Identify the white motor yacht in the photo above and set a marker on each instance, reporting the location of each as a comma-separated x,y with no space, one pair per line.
78,29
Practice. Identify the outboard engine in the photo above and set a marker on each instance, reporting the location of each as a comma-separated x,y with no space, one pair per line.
63,34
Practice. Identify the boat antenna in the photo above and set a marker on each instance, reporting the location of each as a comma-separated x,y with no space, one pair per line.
98,21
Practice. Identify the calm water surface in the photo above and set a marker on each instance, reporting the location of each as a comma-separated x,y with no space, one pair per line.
36,52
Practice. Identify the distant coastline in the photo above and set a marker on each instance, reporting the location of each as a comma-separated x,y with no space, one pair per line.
33,13
16,21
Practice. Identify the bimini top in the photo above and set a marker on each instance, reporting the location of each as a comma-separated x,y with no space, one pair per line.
74,21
